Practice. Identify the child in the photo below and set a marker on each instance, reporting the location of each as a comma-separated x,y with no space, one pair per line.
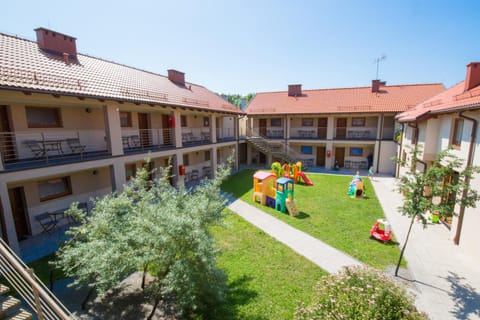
357,177
370,173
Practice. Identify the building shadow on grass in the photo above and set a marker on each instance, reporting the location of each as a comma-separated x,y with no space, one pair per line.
467,300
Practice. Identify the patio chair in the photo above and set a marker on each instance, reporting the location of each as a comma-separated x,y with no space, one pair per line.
206,172
46,221
35,147
194,175
134,141
84,207
75,145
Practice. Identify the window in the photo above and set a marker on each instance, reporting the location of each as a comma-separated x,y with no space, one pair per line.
306,149
207,155
457,133
38,117
206,121
130,170
358,122
54,188
125,119
183,121
276,122
356,152
307,122
186,160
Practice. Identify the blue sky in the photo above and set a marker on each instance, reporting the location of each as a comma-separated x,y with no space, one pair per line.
253,46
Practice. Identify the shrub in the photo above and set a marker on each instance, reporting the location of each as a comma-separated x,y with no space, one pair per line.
359,293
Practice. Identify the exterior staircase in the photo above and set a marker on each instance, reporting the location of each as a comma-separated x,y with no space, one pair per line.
10,307
278,151
40,302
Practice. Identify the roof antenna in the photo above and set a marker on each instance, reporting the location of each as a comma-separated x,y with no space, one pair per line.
377,61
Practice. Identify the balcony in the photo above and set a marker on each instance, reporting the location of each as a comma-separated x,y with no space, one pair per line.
37,149
144,140
196,136
26,150
354,133
225,134
274,134
306,133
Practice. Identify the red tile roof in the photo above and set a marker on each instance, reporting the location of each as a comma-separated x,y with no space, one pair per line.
344,100
23,66
452,99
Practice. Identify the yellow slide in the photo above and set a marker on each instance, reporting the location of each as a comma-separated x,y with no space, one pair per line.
291,207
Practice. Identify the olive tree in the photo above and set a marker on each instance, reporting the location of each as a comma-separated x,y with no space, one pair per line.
437,189
152,226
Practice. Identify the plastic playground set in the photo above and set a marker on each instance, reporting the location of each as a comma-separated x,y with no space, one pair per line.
291,171
356,189
276,189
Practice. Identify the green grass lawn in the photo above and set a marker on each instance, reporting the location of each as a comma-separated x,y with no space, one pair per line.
266,279
327,213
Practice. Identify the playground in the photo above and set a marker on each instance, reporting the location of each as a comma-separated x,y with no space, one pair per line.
276,189
326,212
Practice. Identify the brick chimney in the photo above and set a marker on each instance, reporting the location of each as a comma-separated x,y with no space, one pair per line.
176,76
376,85
56,43
294,90
473,75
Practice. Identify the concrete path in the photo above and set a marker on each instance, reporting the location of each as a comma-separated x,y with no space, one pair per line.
445,278
325,256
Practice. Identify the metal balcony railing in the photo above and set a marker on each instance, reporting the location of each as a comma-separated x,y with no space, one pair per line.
20,150
225,134
147,139
194,136
41,301
308,133
355,133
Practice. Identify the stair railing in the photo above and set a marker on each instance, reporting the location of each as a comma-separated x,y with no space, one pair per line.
21,278
282,150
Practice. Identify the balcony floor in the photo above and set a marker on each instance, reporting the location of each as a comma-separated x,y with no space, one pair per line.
30,163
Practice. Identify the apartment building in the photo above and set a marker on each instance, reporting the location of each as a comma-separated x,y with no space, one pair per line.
352,127
449,119
76,127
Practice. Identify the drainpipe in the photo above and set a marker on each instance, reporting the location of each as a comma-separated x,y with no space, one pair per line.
461,213
379,141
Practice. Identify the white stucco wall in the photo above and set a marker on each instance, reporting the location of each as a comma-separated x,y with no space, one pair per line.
388,150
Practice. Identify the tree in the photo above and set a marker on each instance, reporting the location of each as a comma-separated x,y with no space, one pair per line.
152,225
435,189
236,99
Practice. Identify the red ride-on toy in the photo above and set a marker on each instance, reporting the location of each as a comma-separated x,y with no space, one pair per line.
381,231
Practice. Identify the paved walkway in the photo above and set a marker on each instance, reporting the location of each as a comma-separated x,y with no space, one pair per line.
445,279
325,256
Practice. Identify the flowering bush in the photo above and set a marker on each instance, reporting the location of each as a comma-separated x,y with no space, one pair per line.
359,293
